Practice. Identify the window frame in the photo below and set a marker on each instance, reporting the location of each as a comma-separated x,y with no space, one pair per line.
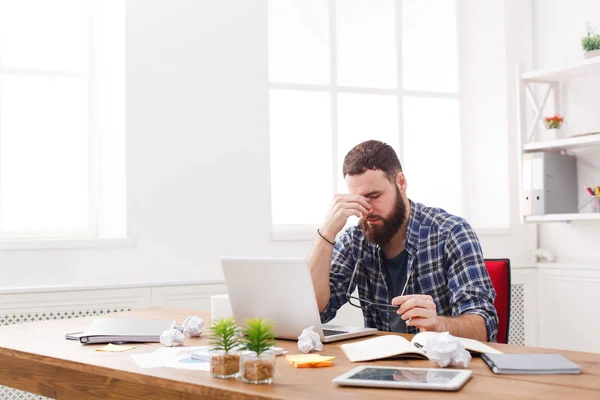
294,232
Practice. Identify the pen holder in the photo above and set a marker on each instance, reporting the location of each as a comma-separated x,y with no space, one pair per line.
595,202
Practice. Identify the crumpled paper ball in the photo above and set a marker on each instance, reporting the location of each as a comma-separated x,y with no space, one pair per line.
170,337
446,349
309,340
193,326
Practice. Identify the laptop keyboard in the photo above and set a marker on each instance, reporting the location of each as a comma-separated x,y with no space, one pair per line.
330,332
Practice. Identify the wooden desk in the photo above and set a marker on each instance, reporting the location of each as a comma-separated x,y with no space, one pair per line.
36,358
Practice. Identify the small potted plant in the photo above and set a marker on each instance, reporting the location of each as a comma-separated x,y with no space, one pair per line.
224,352
553,125
591,43
258,362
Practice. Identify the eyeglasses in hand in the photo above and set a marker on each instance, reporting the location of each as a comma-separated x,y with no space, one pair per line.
366,304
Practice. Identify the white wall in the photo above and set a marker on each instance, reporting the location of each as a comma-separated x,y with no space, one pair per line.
197,148
556,45
568,287
487,67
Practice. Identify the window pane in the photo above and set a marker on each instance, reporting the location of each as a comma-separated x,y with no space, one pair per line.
43,154
432,156
44,34
366,43
299,41
363,117
429,41
300,156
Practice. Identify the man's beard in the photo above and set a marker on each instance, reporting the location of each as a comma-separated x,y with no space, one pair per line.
383,234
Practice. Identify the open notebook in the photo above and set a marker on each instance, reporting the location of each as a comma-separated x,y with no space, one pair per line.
397,346
121,330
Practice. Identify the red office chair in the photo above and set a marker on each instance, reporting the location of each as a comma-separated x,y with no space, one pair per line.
499,271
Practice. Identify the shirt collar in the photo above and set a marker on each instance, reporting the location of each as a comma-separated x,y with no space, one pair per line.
411,237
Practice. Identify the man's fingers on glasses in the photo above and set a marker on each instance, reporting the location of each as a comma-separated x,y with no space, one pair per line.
408,304
415,302
416,313
401,299
387,308
397,301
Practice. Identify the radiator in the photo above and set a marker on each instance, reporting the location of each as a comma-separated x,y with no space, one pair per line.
516,328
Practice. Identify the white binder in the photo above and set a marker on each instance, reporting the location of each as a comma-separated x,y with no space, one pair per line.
526,200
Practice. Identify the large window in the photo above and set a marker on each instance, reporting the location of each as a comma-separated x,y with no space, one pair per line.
342,72
61,118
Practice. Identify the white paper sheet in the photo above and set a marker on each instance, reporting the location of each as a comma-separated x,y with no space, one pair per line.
173,357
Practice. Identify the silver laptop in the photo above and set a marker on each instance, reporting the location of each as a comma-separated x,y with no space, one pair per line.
281,290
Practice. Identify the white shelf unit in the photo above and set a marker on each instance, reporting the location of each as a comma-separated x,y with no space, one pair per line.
563,217
551,79
564,144
588,67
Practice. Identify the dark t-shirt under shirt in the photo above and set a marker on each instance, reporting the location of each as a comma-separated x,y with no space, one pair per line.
395,276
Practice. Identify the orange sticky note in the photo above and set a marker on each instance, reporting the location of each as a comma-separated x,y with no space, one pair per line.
317,365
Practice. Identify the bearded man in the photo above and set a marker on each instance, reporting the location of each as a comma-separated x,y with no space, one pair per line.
417,268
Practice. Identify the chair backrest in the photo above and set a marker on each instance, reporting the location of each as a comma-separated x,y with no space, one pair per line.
499,271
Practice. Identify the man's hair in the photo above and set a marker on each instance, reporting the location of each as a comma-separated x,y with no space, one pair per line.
373,155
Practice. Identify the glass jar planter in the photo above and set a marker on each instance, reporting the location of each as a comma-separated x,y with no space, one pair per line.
224,365
257,369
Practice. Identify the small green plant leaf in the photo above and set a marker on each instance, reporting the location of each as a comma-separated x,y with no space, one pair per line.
225,335
258,335
591,41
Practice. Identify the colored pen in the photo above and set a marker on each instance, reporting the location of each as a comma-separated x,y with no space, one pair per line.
590,191
597,190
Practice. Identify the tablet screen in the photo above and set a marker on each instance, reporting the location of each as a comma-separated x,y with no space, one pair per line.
406,375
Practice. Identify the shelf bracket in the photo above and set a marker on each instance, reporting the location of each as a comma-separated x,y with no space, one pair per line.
538,110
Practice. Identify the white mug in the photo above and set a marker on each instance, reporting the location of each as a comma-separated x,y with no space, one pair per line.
220,307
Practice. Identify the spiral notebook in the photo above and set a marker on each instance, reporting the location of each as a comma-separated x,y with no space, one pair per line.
122,330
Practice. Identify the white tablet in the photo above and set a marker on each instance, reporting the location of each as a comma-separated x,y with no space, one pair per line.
405,378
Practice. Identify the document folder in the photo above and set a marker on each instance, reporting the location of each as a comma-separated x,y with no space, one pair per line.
538,364
124,330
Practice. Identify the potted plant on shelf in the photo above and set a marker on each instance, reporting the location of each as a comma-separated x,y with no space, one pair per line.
553,125
224,352
258,362
591,43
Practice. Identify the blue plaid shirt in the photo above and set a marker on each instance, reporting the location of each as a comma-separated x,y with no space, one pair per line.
445,261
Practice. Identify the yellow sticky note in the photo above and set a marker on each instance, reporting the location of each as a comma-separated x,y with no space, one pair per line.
309,360
114,348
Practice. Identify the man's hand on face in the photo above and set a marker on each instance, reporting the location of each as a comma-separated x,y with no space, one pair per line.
418,310
343,206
